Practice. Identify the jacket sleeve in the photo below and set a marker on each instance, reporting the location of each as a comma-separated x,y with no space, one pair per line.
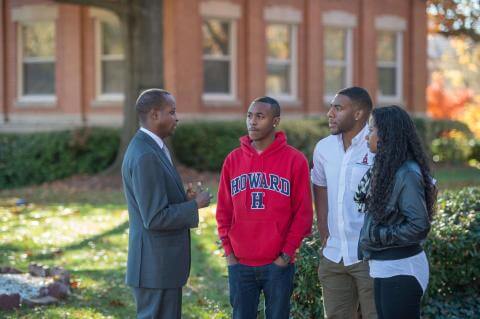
149,188
224,213
302,209
411,204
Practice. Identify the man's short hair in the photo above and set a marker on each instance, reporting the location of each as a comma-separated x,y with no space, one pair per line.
359,97
150,99
273,104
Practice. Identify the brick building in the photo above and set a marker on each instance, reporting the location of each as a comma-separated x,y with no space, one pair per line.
63,64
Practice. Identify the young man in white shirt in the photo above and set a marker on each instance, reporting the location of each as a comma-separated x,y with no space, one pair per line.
339,162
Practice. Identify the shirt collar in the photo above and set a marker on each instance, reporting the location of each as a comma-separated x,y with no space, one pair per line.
155,137
360,137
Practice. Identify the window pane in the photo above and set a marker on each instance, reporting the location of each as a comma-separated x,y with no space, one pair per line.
387,81
386,46
113,76
335,44
38,39
334,79
215,37
112,38
278,79
216,77
278,41
39,78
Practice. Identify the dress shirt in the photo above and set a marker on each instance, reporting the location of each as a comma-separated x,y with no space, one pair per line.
341,171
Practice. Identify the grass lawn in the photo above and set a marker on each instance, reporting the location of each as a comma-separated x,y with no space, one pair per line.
86,231
454,177
90,240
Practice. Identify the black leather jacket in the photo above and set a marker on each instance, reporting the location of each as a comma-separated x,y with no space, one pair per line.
407,225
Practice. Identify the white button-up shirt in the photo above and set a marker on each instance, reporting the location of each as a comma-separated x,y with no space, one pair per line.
158,140
341,171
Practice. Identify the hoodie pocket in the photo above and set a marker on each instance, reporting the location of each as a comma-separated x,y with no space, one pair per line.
255,240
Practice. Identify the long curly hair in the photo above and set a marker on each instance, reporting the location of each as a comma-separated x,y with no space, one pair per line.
398,141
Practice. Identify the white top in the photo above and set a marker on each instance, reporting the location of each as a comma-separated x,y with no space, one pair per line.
341,171
159,141
416,266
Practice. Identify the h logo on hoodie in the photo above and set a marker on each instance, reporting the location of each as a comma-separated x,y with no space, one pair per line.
257,200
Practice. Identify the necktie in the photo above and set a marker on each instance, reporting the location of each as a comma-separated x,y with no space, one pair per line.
167,152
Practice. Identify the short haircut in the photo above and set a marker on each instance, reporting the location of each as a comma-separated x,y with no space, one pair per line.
359,97
273,104
150,99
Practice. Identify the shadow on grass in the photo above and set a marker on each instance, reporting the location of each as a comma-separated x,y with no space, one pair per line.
206,294
50,196
118,230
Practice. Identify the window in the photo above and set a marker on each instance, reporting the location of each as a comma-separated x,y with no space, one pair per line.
110,60
389,45
37,60
281,61
389,53
337,48
218,59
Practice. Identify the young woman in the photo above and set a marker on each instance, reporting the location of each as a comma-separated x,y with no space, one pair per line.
397,196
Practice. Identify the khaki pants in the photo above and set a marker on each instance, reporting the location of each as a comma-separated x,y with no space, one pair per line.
344,287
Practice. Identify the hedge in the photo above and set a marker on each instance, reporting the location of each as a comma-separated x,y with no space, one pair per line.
453,249
204,145
36,158
40,157
430,129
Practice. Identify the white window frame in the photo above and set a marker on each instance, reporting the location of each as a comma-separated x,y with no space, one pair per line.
292,62
398,66
41,99
292,17
103,16
397,26
229,12
339,19
347,63
232,58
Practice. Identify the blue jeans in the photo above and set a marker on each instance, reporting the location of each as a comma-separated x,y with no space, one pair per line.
247,282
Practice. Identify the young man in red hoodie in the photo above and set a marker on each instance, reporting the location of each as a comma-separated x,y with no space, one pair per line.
264,211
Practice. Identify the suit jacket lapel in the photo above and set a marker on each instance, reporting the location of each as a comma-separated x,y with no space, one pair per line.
163,157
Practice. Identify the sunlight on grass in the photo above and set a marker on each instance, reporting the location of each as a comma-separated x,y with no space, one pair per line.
90,240
206,292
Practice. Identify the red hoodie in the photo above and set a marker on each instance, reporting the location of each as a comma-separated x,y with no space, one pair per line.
264,202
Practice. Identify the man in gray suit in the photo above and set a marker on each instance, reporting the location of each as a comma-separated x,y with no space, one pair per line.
161,213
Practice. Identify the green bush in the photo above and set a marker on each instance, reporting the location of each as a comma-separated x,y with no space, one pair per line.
454,243
450,150
307,299
446,140
453,248
430,129
40,157
474,149
204,145
304,134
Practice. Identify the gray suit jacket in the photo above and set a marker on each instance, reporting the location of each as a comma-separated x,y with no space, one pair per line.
160,217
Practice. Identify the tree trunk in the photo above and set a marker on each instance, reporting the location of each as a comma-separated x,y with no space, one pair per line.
142,24
143,38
